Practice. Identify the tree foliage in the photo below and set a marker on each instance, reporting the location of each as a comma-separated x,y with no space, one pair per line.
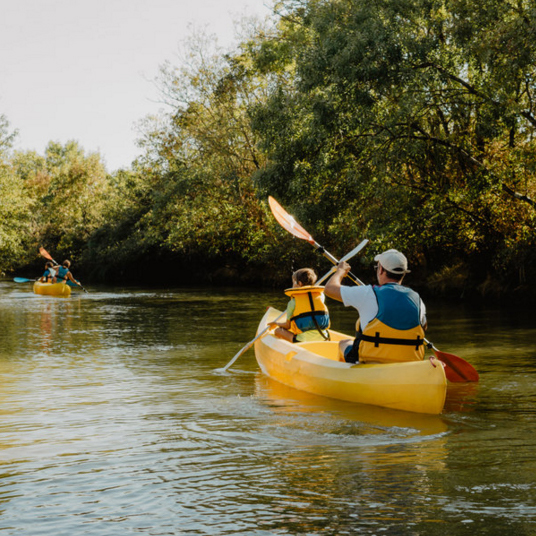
410,122
14,205
196,202
66,193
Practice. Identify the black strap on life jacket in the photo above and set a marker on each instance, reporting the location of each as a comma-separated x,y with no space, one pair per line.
313,316
377,340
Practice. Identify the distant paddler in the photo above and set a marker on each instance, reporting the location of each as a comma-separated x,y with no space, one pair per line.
64,274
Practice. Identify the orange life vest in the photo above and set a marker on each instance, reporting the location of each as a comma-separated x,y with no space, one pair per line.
310,311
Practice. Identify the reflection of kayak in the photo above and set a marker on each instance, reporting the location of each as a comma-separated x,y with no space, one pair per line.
288,401
52,289
418,386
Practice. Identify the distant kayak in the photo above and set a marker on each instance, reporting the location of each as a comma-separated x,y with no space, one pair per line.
52,289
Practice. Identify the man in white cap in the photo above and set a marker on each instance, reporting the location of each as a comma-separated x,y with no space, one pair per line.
392,317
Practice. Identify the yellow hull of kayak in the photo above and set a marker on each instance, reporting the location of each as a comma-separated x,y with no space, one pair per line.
417,386
52,289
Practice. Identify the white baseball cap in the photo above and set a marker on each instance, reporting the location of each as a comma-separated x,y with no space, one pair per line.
393,261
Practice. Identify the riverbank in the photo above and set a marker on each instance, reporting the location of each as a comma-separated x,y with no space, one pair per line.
454,284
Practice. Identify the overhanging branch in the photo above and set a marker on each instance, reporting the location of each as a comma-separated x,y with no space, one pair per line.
473,91
505,188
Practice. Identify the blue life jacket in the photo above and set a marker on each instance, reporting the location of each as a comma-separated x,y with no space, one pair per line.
395,334
62,273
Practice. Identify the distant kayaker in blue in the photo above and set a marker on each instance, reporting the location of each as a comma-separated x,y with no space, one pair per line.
307,314
64,274
49,273
392,317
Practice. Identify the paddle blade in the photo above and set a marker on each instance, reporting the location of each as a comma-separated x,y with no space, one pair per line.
23,280
46,254
238,354
348,256
354,251
250,344
288,222
244,350
457,369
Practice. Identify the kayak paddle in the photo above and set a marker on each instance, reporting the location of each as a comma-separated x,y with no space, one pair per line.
456,370
47,255
294,228
249,344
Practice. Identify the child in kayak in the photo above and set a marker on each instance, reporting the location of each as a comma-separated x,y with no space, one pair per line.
307,314
49,273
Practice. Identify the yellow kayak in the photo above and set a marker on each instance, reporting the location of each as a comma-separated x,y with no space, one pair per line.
418,386
52,289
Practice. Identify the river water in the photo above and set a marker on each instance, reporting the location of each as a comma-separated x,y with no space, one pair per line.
115,421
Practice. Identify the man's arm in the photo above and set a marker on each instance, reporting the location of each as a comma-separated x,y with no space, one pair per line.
333,286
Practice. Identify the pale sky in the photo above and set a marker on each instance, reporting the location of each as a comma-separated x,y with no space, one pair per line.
84,69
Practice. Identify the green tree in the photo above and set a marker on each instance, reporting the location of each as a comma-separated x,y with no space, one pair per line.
68,191
14,206
196,203
402,125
